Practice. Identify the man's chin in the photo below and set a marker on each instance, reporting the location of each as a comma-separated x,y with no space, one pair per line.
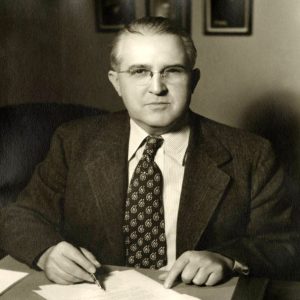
163,127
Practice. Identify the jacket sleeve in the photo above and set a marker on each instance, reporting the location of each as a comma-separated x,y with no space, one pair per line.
270,244
32,224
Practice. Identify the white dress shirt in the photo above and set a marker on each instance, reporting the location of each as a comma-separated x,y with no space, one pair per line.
170,158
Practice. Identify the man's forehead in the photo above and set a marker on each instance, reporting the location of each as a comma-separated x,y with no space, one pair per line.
139,48
148,36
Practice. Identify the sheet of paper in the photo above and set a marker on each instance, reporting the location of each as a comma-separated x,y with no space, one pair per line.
8,278
124,285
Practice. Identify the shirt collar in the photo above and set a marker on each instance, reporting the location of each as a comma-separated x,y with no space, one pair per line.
175,143
136,137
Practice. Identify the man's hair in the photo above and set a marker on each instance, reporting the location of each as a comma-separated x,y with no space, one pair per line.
152,25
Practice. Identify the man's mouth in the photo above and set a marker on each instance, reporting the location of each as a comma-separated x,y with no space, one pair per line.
157,103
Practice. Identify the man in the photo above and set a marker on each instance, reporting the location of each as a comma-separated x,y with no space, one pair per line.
196,198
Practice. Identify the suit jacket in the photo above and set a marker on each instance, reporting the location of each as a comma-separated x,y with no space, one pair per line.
232,199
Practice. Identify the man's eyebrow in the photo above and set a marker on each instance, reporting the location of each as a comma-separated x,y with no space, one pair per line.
139,66
150,67
175,66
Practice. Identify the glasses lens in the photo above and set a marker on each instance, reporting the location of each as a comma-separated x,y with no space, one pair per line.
140,75
174,74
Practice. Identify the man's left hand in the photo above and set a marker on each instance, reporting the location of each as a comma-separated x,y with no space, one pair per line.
199,268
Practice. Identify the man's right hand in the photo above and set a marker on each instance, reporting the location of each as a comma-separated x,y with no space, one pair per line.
65,264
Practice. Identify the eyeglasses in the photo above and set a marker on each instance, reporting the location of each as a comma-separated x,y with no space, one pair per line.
143,76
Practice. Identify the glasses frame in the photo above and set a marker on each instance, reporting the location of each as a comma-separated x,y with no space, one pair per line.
162,73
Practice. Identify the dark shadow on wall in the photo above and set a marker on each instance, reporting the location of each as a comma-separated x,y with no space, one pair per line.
275,117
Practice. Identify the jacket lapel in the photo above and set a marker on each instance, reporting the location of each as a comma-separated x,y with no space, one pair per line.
107,173
203,186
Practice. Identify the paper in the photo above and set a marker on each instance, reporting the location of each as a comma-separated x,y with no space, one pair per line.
119,285
8,278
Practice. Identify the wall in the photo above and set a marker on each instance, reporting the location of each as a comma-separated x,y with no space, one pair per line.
85,57
29,51
241,72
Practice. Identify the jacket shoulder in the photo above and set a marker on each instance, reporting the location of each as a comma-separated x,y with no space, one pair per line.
231,136
242,145
90,128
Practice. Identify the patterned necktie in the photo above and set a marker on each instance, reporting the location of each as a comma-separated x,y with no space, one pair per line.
144,225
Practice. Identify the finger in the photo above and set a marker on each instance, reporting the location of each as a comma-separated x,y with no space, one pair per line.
71,268
56,274
42,262
74,254
163,276
213,279
189,272
60,281
176,269
201,276
90,257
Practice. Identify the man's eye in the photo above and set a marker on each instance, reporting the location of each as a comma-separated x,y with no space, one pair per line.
174,70
139,72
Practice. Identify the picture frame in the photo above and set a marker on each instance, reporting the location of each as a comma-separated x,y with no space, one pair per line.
232,17
179,11
112,15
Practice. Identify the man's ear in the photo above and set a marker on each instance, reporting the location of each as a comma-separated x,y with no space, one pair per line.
113,77
195,78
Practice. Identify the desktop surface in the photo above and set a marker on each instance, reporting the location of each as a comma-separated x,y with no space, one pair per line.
23,289
235,289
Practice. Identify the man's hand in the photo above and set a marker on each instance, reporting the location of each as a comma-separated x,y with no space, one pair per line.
65,264
199,268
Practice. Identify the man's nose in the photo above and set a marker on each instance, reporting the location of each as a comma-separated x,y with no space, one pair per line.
157,85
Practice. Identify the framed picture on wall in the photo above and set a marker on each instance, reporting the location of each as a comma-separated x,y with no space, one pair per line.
228,16
179,11
111,15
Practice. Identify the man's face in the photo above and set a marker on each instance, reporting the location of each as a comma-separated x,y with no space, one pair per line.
156,104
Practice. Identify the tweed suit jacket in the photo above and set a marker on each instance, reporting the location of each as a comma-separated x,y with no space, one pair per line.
232,199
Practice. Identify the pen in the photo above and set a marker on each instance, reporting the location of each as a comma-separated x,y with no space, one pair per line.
96,281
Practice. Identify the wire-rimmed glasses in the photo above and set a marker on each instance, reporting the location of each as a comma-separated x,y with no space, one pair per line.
143,75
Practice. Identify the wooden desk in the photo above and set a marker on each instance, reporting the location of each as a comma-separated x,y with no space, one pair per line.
23,289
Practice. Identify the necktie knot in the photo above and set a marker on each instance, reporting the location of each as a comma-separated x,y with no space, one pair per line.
152,145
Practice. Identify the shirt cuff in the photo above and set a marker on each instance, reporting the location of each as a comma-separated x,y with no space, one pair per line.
240,269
